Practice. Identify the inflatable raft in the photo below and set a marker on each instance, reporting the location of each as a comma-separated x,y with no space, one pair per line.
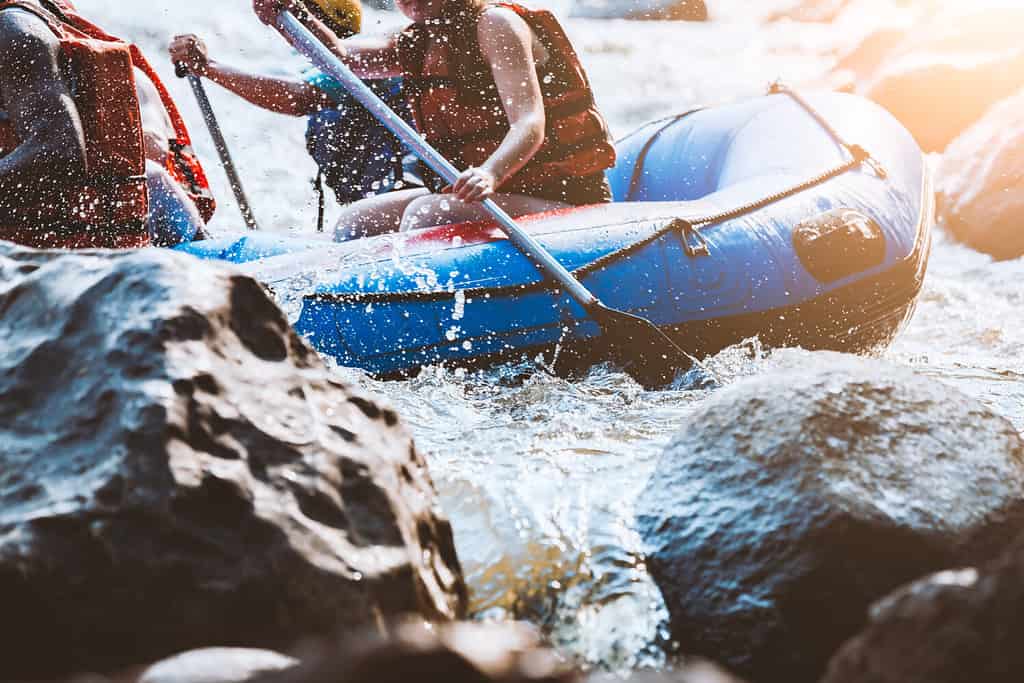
801,222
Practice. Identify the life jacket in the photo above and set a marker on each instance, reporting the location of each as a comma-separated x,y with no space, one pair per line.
107,207
455,102
356,156
181,162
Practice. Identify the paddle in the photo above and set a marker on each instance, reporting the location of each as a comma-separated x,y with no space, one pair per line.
636,343
206,107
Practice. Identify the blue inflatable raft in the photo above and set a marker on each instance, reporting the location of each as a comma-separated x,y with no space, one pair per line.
750,219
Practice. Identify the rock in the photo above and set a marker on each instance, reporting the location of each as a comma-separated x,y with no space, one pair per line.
217,665
793,500
948,70
981,183
858,65
938,98
179,470
953,627
671,10
694,672
455,653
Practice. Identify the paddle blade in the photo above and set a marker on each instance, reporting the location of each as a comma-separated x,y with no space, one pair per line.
640,347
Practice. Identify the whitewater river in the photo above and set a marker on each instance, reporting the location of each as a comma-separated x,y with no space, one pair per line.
540,477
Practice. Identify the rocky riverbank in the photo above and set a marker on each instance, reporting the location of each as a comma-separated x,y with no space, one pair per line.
539,477
181,471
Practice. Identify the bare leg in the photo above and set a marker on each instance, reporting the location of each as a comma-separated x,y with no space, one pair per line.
173,217
375,215
441,209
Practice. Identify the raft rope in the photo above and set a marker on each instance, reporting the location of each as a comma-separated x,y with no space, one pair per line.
690,227
641,158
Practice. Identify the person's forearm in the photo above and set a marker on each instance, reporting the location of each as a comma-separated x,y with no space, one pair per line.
292,98
520,144
368,57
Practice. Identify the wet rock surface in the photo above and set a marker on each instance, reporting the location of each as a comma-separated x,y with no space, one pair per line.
217,665
953,627
793,500
943,72
696,672
980,183
455,653
179,470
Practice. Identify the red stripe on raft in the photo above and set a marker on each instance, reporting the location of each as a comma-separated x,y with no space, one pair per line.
477,232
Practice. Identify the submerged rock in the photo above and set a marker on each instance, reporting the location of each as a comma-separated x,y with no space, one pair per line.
793,500
455,653
217,665
981,183
952,627
178,469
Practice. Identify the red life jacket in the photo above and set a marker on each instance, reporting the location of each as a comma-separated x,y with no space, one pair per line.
108,206
182,162
457,108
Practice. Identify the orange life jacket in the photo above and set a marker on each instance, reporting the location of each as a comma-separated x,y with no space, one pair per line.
456,105
108,206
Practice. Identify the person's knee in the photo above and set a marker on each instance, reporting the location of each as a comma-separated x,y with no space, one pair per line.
428,211
376,215
361,222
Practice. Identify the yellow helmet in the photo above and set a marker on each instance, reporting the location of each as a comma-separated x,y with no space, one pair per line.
344,17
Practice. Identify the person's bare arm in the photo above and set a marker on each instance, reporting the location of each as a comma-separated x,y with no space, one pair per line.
367,56
157,129
507,45
280,95
39,104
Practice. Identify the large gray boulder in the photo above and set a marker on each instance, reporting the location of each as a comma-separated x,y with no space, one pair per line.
954,627
981,183
793,500
942,73
178,469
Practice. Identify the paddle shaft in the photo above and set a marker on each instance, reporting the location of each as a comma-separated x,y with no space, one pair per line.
212,125
303,40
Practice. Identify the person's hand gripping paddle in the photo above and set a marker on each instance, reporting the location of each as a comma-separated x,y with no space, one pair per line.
213,126
636,343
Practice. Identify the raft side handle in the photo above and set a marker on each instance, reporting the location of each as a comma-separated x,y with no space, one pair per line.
686,229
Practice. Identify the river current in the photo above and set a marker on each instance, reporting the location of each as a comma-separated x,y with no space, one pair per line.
540,475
